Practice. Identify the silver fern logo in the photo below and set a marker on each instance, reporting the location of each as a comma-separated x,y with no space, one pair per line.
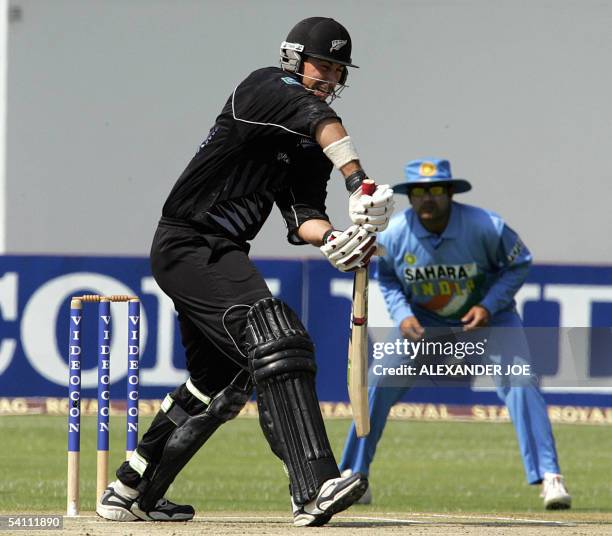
337,44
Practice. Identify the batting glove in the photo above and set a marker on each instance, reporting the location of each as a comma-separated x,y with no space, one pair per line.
349,250
372,211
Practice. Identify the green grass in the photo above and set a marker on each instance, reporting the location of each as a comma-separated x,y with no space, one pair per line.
433,467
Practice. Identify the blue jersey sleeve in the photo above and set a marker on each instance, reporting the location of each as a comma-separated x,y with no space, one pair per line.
513,261
394,294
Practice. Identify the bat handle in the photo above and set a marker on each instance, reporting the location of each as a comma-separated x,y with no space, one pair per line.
368,187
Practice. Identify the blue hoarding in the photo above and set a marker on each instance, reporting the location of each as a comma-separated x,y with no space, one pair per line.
35,296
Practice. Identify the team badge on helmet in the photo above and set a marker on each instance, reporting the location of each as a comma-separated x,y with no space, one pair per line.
337,44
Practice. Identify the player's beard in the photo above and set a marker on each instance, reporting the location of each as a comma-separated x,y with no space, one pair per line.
322,90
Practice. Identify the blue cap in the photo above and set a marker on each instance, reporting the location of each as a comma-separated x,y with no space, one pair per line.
429,171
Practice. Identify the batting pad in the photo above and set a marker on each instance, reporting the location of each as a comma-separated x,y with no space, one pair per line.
281,356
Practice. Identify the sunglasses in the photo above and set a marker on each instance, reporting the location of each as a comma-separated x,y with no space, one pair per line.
419,191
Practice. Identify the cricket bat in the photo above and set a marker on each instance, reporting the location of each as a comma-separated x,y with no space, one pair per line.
357,372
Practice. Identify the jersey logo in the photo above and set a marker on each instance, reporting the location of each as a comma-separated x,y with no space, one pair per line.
290,81
337,44
515,251
307,142
211,135
432,272
410,258
283,157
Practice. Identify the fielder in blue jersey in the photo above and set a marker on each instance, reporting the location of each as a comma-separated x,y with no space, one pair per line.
447,265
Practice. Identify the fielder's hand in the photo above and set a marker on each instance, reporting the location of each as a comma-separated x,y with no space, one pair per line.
475,318
372,211
351,249
411,328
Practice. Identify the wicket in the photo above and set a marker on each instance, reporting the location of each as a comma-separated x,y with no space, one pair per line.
74,393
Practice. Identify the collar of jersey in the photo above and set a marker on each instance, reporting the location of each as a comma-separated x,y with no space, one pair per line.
451,231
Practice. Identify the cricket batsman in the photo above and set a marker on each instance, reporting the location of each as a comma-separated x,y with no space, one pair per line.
275,142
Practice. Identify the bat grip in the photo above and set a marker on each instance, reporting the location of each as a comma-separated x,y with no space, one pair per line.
368,187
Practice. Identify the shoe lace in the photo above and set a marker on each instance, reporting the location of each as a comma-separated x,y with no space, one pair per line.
556,483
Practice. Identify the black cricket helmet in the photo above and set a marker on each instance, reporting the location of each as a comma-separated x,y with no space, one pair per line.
319,37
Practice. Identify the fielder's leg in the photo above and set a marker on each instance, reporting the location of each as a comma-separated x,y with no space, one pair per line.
528,411
359,451
382,394
508,346
281,357
529,415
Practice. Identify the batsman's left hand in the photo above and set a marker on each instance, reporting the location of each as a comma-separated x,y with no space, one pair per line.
372,211
350,249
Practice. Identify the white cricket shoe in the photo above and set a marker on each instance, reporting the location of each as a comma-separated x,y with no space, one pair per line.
554,492
165,510
335,495
118,503
366,498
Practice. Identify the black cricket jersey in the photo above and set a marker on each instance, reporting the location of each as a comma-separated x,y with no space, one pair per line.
260,151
